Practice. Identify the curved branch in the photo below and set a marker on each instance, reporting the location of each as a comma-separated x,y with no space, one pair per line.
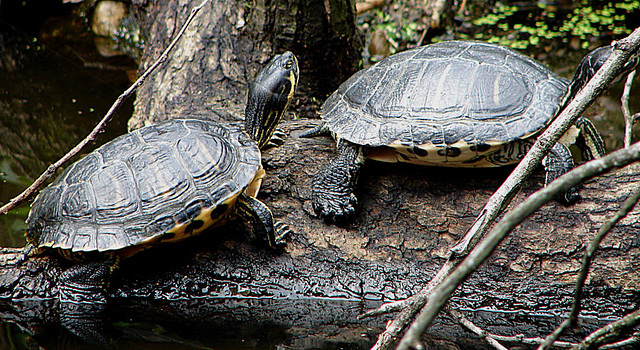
629,119
609,331
586,263
101,124
486,247
501,198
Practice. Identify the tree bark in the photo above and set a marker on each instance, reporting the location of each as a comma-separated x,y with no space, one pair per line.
227,44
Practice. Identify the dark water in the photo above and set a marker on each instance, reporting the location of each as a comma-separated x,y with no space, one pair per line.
50,98
54,87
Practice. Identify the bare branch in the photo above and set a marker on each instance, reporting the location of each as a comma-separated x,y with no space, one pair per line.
101,124
494,339
547,139
586,263
629,119
612,330
457,315
503,195
485,248
634,339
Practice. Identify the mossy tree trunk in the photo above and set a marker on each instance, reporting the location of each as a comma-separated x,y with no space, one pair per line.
229,41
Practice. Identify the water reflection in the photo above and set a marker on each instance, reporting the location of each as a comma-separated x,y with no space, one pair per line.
49,100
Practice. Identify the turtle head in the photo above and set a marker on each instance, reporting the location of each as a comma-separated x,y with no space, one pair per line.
269,97
591,63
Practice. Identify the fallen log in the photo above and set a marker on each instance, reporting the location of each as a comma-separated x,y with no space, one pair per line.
327,275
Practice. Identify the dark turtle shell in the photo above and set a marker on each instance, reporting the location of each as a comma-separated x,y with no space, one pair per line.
454,95
160,183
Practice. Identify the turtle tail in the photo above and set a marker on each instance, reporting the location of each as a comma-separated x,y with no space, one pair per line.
320,129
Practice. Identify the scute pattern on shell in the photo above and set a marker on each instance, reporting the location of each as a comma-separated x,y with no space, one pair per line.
142,184
444,93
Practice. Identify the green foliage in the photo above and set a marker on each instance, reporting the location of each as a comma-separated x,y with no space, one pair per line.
521,27
8,175
13,226
398,32
13,338
128,37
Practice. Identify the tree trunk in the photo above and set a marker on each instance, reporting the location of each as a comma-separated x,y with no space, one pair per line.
228,42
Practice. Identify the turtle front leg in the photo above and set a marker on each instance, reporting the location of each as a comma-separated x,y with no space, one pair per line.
333,187
593,145
261,219
277,139
81,291
558,162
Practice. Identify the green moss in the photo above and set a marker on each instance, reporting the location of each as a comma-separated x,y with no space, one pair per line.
527,26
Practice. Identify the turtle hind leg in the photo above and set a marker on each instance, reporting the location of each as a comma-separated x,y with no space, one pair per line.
87,282
320,129
558,162
81,291
261,219
333,186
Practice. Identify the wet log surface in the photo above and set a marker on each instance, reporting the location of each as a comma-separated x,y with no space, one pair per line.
226,284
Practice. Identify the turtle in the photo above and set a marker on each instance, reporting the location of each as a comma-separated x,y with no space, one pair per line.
454,103
160,184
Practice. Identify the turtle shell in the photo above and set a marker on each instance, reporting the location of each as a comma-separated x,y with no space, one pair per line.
159,183
455,99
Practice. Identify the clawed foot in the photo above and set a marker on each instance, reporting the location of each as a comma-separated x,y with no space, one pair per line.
558,162
282,231
568,198
335,208
333,187
277,139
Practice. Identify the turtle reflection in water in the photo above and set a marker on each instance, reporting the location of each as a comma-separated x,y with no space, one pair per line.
457,104
161,183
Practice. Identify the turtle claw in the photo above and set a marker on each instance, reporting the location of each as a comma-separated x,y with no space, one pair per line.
569,198
282,231
277,139
332,190
335,208
558,162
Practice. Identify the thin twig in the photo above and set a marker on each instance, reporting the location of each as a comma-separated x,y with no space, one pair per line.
598,83
494,339
612,330
461,10
572,320
53,167
529,340
520,338
633,340
485,247
457,315
409,307
629,120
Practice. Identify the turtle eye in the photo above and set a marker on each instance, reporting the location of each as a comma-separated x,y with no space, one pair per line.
288,64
